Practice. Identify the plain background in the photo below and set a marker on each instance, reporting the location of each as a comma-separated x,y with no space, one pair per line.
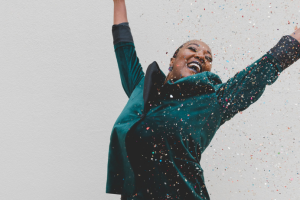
61,94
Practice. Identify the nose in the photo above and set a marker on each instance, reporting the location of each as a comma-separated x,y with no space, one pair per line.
200,56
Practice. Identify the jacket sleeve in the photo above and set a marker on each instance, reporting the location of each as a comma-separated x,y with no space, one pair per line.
247,86
130,69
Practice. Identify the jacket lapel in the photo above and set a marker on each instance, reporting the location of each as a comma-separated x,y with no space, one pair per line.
154,79
198,84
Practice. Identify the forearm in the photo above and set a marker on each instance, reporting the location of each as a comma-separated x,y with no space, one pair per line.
120,14
296,34
247,85
287,50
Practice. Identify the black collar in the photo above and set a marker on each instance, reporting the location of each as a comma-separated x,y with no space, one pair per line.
154,80
155,89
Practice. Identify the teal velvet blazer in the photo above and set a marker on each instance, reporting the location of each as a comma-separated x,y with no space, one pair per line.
197,105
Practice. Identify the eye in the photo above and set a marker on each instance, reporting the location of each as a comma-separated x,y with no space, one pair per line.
193,49
208,58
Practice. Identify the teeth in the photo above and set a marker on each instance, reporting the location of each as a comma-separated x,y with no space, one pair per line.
196,65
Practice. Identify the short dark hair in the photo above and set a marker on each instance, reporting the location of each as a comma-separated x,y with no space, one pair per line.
176,52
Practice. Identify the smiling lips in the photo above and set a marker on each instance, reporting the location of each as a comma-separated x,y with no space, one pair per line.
195,66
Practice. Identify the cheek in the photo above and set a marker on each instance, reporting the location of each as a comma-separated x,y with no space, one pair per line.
180,63
185,55
209,66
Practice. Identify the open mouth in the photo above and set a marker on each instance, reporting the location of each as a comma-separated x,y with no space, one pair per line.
195,66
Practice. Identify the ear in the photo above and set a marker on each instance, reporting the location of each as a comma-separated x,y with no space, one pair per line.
172,61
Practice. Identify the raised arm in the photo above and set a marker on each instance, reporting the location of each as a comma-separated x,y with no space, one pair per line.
131,72
120,14
246,87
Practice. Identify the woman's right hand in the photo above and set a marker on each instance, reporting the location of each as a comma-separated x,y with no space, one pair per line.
120,14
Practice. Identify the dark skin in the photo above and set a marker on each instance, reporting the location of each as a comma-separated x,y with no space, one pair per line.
194,50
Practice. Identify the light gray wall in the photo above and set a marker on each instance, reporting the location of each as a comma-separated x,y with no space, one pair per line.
61,94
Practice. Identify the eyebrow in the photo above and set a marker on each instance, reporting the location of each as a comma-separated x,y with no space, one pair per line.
198,46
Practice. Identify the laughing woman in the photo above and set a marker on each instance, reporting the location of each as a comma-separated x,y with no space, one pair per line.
157,141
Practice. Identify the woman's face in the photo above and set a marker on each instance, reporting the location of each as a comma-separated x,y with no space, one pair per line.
194,57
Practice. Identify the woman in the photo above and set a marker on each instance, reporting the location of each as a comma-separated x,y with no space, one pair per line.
158,139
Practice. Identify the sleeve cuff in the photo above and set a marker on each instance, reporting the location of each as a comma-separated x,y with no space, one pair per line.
122,33
286,51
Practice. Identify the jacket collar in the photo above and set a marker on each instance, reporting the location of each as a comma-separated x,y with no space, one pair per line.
153,82
155,89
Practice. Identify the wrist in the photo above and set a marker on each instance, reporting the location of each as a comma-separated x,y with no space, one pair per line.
119,1
120,14
286,51
121,33
296,35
